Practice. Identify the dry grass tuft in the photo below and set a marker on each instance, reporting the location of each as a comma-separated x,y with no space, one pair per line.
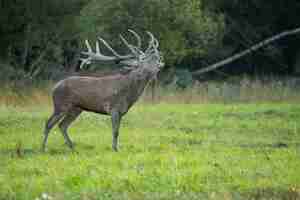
244,90
24,96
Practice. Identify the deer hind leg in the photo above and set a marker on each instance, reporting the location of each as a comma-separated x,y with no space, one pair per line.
66,122
115,119
56,116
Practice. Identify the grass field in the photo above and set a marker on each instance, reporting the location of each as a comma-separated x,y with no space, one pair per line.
176,151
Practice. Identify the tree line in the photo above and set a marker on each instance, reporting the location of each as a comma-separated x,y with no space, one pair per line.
42,39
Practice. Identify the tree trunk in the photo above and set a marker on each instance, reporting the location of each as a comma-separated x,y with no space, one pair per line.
26,46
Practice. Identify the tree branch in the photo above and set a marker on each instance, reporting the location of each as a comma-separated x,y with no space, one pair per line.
247,51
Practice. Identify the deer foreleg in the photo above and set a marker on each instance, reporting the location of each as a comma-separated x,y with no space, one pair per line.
116,119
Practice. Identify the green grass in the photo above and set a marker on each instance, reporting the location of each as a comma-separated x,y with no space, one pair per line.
177,151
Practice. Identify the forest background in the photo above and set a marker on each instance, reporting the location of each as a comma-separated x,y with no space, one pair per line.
42,40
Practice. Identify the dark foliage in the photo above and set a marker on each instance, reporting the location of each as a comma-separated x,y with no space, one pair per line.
41,39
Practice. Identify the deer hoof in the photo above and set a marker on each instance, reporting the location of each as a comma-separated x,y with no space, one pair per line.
43,150
70,144
115,149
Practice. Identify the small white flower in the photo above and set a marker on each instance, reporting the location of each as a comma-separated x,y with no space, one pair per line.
44,196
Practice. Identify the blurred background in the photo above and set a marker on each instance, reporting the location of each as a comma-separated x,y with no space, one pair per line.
41,40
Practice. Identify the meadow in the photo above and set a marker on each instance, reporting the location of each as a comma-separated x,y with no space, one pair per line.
174,148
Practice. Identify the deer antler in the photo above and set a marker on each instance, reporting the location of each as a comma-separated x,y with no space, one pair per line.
97,55
136,52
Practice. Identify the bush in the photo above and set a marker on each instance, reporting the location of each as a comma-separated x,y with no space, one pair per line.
184,78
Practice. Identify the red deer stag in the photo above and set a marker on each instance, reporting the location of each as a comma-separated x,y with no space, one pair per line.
109,95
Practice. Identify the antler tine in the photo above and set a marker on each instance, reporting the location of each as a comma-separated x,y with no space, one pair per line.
88,46
97,48
131,48
139,40
156,43
151,42
109,47
86,60
154,40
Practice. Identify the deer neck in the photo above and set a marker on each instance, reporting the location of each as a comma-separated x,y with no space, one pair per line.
138,80
134,87
128,88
